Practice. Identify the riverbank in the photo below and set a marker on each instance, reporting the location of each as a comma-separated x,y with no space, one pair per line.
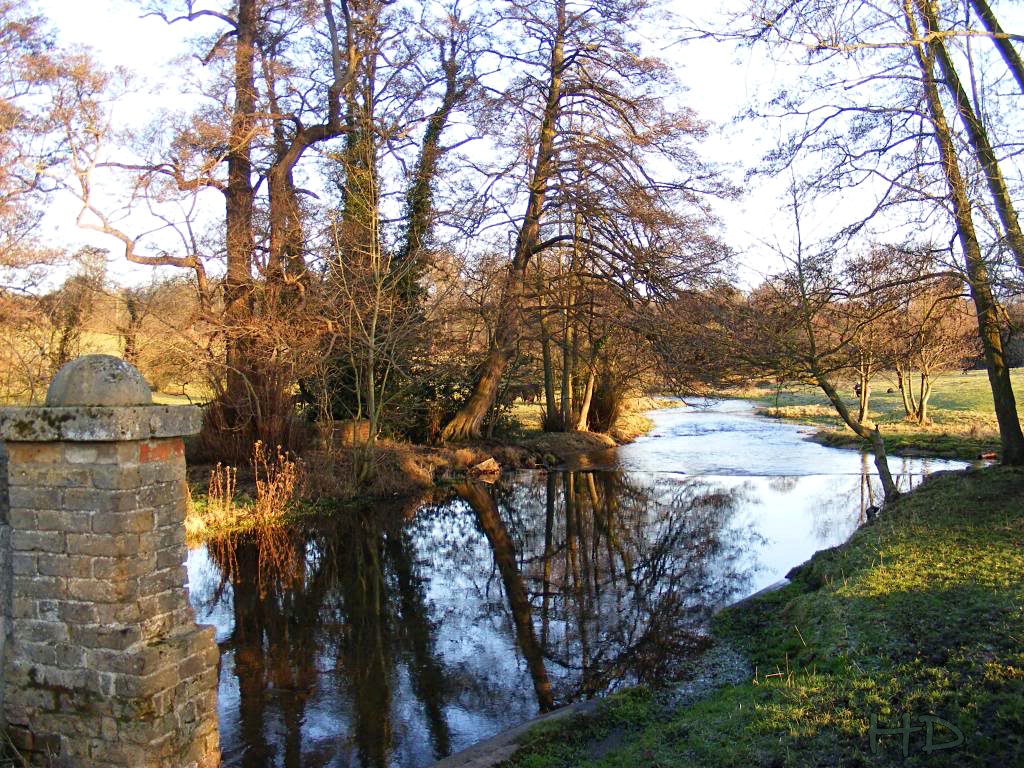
918,614
962,423
403,471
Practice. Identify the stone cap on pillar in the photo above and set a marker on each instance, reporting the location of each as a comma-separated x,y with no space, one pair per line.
98,398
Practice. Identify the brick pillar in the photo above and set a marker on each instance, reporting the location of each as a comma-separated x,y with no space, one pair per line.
104,664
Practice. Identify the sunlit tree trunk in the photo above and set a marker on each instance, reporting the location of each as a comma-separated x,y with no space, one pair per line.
588,396
239,202
565,407
865,369
989,325
925,394
906,391
466,423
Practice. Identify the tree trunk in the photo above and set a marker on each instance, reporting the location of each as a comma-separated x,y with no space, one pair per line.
411,258
924,396
588,395
873,436
239,212
864,399
550,408
466,423
285,256
906,392
1005,46
989,328
567,383
976,134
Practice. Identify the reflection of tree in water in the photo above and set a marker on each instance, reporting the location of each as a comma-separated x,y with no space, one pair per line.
621,575
845,503
345,597
590,578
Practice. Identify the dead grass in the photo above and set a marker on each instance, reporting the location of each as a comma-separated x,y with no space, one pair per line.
277,483
806,413
631,425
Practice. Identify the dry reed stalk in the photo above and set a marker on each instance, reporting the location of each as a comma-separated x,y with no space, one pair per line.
220,494
278,478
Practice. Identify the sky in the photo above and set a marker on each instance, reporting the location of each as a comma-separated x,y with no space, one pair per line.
719,81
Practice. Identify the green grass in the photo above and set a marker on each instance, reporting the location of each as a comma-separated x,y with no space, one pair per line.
952,392
963,423
920,613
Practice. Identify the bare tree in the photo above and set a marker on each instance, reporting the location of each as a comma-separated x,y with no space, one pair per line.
596,125
932,330
886,127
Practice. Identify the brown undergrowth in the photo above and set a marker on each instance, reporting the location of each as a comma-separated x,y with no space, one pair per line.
272,487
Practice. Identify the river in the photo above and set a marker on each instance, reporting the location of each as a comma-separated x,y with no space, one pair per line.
401,634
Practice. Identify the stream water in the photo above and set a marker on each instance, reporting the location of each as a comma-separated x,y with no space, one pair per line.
402,634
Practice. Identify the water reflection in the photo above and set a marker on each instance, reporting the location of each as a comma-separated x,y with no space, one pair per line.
393,637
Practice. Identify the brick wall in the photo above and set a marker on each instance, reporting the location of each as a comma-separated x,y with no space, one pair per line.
105,664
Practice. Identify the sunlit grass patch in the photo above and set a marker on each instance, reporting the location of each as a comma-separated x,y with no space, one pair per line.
277,480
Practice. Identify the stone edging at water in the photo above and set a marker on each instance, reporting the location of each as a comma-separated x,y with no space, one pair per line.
492,751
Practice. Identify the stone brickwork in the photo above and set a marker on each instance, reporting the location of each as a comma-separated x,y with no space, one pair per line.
5,572
104,663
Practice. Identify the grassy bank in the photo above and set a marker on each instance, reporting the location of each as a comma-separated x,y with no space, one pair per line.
963,423
919,613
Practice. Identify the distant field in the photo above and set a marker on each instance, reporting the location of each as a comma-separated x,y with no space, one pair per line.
963,422
951,392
